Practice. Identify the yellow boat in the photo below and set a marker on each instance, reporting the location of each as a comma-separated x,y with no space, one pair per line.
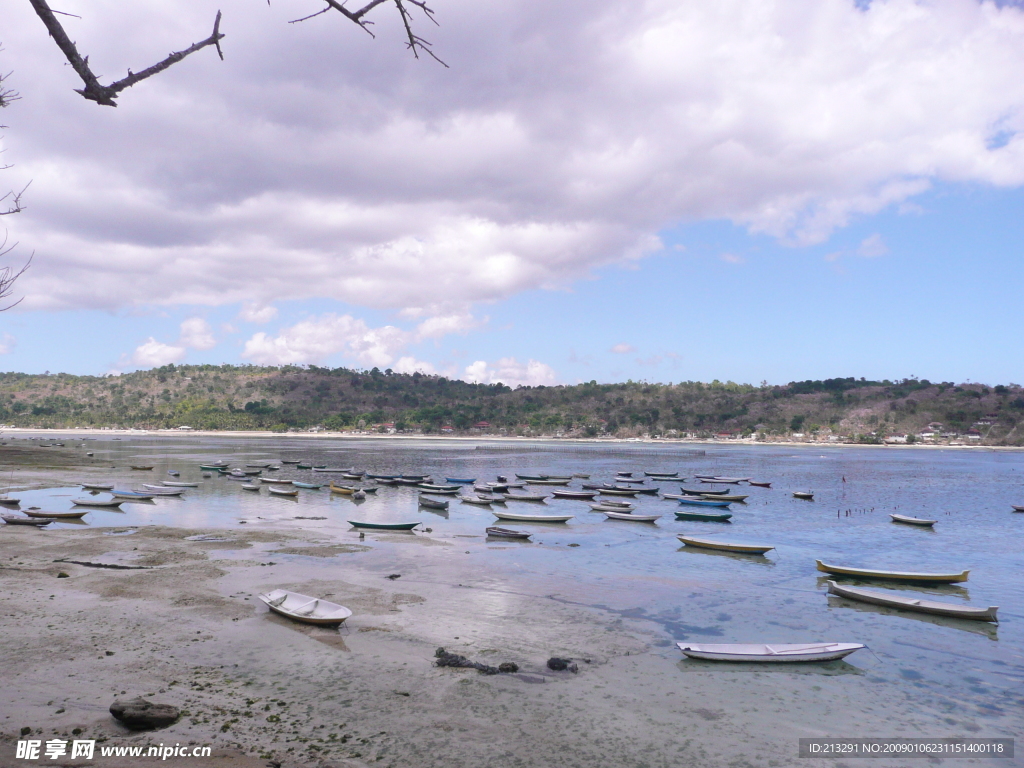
345,489
726,546
866,573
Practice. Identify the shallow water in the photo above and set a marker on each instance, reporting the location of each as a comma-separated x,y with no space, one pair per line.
972,670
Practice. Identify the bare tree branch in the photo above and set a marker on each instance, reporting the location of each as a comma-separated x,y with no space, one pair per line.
14,206
8,276
105,94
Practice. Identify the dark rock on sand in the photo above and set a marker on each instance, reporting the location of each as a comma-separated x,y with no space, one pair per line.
141,715
445,659
560,665
508,667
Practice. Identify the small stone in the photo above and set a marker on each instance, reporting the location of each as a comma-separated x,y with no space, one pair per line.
393,576
140,715
63,575
574,545
560,665
109,653
508,667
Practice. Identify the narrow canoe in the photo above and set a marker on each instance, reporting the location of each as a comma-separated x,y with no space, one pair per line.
426,501
310,486
606,508
866,573
665,475
347,490
912,520
56,515
303,466
172,484
759,485
249,487
310,610
702,502
36,521
549,482
1016,508
525,496
805,495
506,533
725,480
774,653
212,467
632,480
578,495
9,500
141,466
416,478
98,487
121,494
621,515
383,526
157,490
476,500
617,491
275,481
503,515
461,480
97,502
333,470
725,546
283,491
291,461
708,517
438,487
560,477
382,477
913,604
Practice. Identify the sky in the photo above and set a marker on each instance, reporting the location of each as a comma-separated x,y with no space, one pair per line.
662,190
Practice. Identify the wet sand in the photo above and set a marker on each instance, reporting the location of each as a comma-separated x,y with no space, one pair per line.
184,627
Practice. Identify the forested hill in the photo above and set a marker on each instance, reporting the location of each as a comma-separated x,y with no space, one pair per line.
249,397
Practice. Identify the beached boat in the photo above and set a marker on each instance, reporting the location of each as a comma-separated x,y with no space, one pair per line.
550,482
141,466
609,508
310,486
461,480
489,488
97,502
623,515
291,461
73,515
333,470
309,610
437,488
345,490
382,477
283,491
9,500
935,607
774,653
158,490
630,480
98,486
275,481
805,495
426,501
662,475
36,521
577,495
723,478
482,501
416,478
503,515
725,546
123,494
525,496
913,520
725,496
383,526
867,573
506,533
700,501
249,487
171,484
617,491
708,517
352,476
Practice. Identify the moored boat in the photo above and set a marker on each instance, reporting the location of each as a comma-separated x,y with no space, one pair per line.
503,515
123,494
460,480
73,515
525,496
1016,508
310,486
141,466
172,484
805,495
725,546
868,573
345,490
97,502
773,653
624,515
708,517
600,507
481,500
159,490
383,526
577,495
426,501
278,491
36,521
662,475
550,481
759,485
506,533
98,486
249,487
304,608
913,520
700,501
935,607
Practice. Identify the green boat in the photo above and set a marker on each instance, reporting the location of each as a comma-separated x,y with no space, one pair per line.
304,466
710,517
384,526
213,467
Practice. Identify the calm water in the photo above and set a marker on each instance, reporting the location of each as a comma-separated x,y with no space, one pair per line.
974,670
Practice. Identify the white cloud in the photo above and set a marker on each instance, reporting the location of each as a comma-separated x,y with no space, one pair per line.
872,247
153,354
511,372
551,146
196,333
623,349
7,344
436,327
311,341
252,313
412,365
732,258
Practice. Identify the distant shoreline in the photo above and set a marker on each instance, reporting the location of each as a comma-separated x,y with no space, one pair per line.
77,432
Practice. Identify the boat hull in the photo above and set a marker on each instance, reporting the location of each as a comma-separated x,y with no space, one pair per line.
933,607
383,526
776,653
709,517
724,546
325,613
866,573
502,515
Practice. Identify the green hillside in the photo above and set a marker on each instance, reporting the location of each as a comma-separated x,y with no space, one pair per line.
250,397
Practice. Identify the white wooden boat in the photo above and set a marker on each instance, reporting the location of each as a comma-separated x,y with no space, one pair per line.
36,521
304,608
9,500
274,481
549,482
98,486
805,495
610,508
333,470
525,496
912,520
774,653
725,546
426,501
98,502
125,494
283,491
73,515
476,500
577,495
615,515
1016,508
867,573
160,490
506,533
175,484
503,515
249,487
891,600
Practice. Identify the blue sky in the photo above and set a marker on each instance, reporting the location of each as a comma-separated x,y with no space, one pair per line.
630,199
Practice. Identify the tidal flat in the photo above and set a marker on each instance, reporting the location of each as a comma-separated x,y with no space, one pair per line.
179,622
